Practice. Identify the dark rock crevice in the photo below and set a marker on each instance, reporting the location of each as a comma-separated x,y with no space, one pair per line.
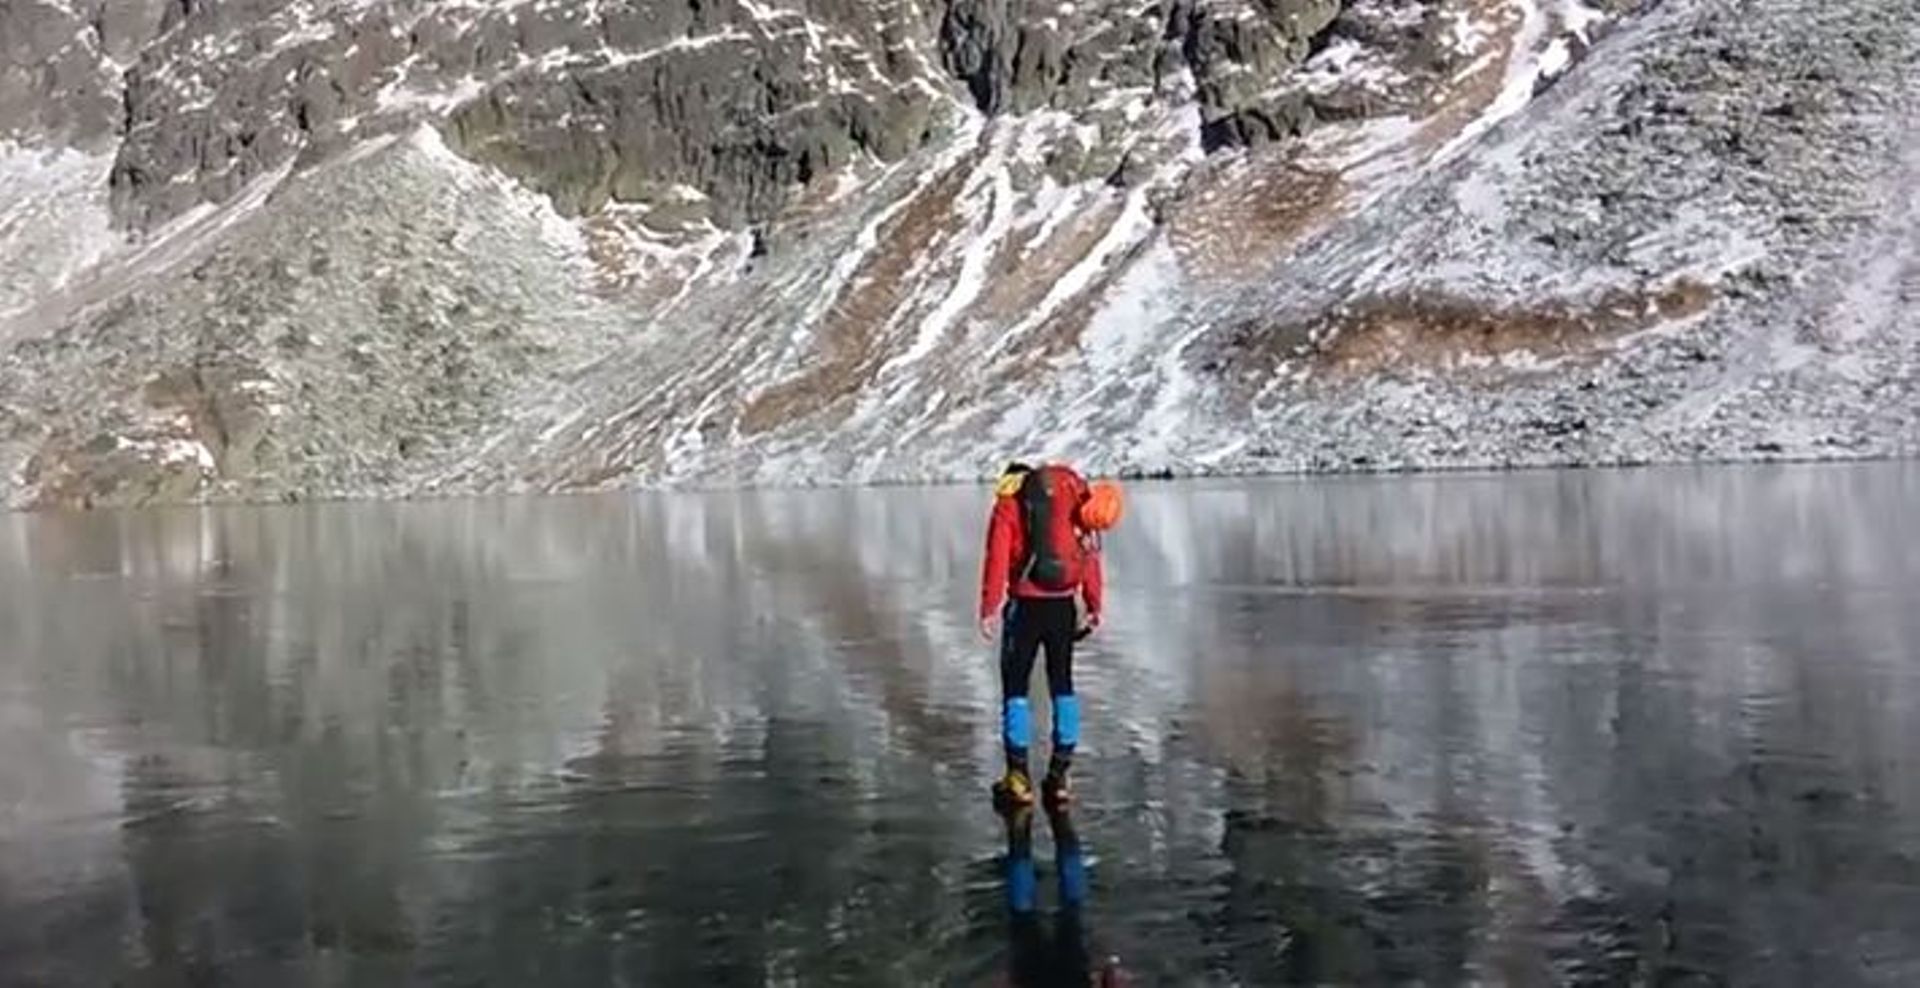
1017,59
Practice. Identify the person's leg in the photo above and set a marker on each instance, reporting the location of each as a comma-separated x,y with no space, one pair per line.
1022,882
1062,618
1072,955
1069,858
1027,951
1019,643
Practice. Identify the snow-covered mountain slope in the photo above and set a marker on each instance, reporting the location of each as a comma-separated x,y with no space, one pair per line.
389,247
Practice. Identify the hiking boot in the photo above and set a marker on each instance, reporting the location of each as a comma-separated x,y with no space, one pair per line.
1013,791
1056,790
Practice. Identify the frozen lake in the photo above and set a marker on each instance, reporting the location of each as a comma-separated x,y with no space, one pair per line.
1651,726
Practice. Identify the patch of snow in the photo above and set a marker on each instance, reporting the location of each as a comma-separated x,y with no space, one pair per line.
1336,57
364,149
169,451
1132,226
1130,318
621,59
1466,36
1874,301
686,444
1556,59
397,98
1039,133
1580,18
307,31
1343,63
684,194
1521,75
1358,144
558,232
1056,204
1230,447
54,221
1132,326
1183,125
761,12
1392,13
1017,423
992,180
849,262
208,220
1701,242
716,244
1481,195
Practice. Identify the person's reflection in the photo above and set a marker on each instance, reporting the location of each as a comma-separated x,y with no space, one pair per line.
1034,958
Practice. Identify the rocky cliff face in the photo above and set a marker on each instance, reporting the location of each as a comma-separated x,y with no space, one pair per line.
598,102
383,247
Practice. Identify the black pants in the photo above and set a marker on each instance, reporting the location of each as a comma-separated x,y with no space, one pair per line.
1033,625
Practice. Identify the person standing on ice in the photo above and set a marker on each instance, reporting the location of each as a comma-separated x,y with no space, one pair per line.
1042,588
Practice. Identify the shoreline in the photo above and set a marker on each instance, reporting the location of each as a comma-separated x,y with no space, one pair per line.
1138,475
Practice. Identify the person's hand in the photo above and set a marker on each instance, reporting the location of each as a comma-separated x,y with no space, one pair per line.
990,628
1088,625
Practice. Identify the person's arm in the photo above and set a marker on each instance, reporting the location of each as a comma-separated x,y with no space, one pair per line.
999,559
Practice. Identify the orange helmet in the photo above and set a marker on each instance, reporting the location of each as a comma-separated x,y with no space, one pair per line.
1103,507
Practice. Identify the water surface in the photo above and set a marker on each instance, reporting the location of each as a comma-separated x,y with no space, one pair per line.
1632,727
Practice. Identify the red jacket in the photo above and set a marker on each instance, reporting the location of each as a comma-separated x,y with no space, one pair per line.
1007,551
